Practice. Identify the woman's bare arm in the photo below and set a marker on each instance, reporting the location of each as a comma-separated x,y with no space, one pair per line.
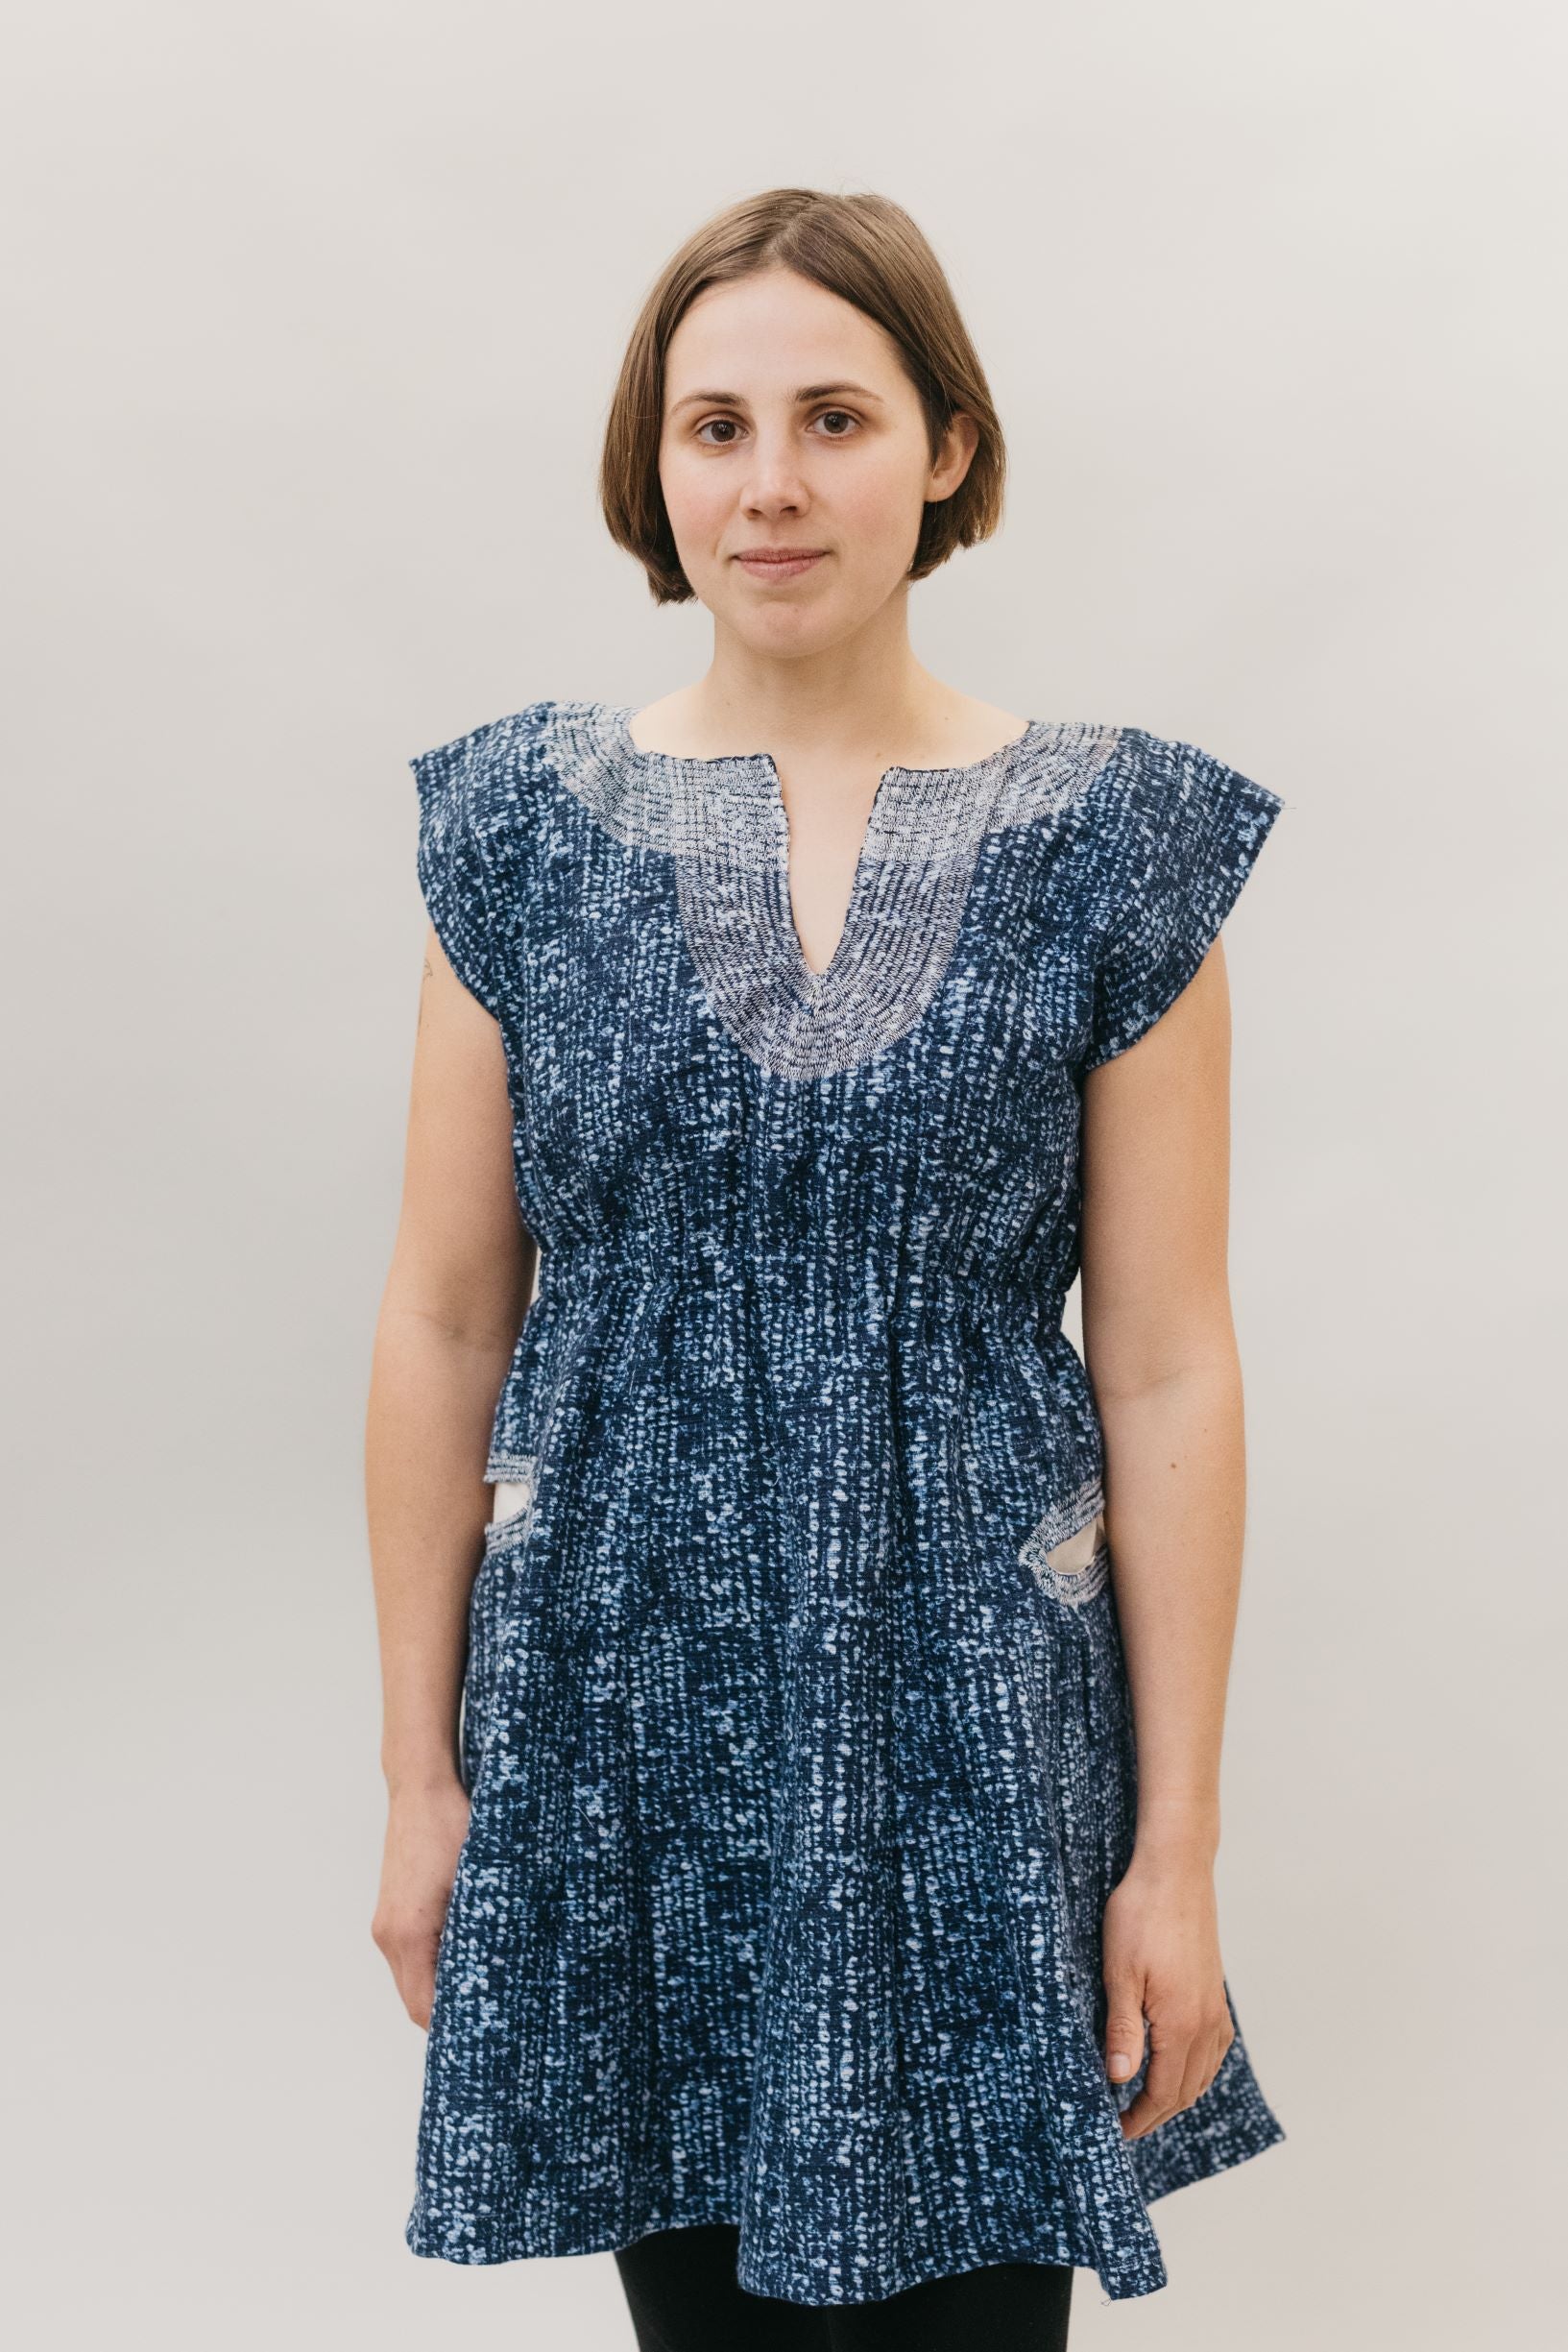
462,1270
1160,1347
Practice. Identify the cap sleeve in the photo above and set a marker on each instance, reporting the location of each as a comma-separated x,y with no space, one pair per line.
1193,829
451,863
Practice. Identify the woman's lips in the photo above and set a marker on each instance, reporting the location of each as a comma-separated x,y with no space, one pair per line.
779,567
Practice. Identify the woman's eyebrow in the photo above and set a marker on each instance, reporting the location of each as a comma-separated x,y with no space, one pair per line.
806,392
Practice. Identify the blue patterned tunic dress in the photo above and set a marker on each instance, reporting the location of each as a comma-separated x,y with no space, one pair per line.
796,1724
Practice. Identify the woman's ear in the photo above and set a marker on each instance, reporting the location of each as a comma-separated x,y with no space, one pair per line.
954,458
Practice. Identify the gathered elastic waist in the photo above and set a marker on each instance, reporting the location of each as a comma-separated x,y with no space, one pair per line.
582,1277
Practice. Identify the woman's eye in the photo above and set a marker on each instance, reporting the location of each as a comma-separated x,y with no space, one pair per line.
727,428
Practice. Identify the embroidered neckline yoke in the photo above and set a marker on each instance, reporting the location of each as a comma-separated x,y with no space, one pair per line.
724,822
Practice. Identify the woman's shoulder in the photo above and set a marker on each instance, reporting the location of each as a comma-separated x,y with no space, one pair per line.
484,751
484,833
496,783
1168,835
1149,795
1140,772
508,760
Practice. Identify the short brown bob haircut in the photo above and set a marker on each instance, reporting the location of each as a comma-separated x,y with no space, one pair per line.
865,249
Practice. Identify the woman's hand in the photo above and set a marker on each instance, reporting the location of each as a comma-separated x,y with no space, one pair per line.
1162,1962
425,1836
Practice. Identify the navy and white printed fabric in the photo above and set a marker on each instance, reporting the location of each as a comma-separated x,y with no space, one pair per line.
796,1722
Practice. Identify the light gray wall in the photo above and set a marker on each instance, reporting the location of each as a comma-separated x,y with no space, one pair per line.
315,314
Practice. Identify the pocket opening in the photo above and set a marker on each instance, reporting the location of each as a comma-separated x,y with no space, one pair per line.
515,1478
1067,1551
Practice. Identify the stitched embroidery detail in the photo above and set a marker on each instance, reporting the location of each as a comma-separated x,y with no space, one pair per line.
518,1468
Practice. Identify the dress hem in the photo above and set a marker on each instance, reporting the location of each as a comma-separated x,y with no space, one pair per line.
1136,2280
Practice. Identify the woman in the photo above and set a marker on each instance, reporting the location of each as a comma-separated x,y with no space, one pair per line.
790,1903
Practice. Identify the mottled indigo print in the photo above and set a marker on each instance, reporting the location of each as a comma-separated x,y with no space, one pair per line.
796,1722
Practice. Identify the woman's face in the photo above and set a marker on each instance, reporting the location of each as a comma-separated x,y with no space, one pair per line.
790,422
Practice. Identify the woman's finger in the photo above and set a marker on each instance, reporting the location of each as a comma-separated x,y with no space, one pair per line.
1124,2026
1161,2093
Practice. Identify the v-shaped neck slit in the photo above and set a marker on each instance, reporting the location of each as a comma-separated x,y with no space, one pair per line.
815,982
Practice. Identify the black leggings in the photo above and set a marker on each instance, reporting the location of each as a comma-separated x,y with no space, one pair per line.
683,2297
